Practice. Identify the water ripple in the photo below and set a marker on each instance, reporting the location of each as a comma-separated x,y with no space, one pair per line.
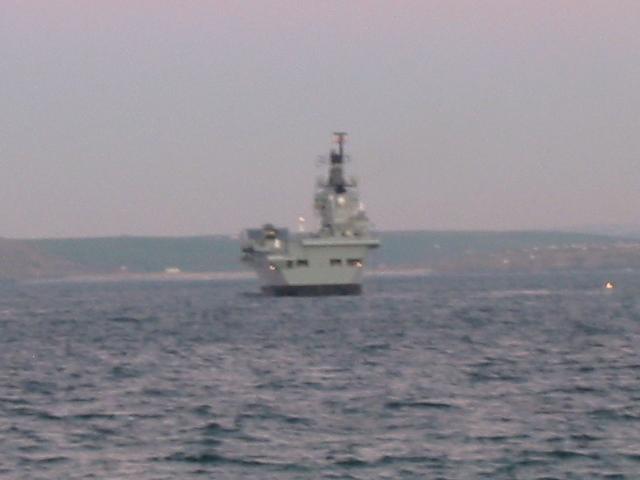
479,377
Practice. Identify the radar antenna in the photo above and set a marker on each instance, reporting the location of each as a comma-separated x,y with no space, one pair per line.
340,140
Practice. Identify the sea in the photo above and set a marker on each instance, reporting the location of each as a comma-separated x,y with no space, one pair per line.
493,376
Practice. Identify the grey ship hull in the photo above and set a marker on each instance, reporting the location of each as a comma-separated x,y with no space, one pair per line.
312,266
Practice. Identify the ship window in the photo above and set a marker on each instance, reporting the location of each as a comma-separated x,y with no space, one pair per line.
335,262
303,263
355,262
289,263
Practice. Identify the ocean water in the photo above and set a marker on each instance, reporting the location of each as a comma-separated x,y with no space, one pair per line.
432,377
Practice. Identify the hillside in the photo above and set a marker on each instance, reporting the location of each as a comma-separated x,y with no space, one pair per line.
145,254
434,251
22,260
437,251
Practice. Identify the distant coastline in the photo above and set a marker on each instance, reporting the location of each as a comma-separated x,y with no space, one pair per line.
217,257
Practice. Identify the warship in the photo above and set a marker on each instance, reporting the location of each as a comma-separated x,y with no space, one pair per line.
329,261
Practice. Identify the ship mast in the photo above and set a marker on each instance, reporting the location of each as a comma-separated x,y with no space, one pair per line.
340,136
336,174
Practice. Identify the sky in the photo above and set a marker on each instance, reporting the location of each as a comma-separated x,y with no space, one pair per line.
158,117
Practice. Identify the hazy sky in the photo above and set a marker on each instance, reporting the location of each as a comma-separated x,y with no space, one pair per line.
196,117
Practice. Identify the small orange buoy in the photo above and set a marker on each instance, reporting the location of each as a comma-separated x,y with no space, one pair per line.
609,285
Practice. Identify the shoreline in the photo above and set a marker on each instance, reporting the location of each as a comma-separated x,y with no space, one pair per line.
198,276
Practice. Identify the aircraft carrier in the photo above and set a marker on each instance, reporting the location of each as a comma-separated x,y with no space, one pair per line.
329,261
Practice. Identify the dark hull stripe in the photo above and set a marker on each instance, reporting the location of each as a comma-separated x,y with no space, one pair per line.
312,290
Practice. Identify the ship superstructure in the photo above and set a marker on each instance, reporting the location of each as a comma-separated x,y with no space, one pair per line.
327,262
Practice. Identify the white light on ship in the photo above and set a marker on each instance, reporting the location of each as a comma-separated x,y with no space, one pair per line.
272,267
341,200
301,221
